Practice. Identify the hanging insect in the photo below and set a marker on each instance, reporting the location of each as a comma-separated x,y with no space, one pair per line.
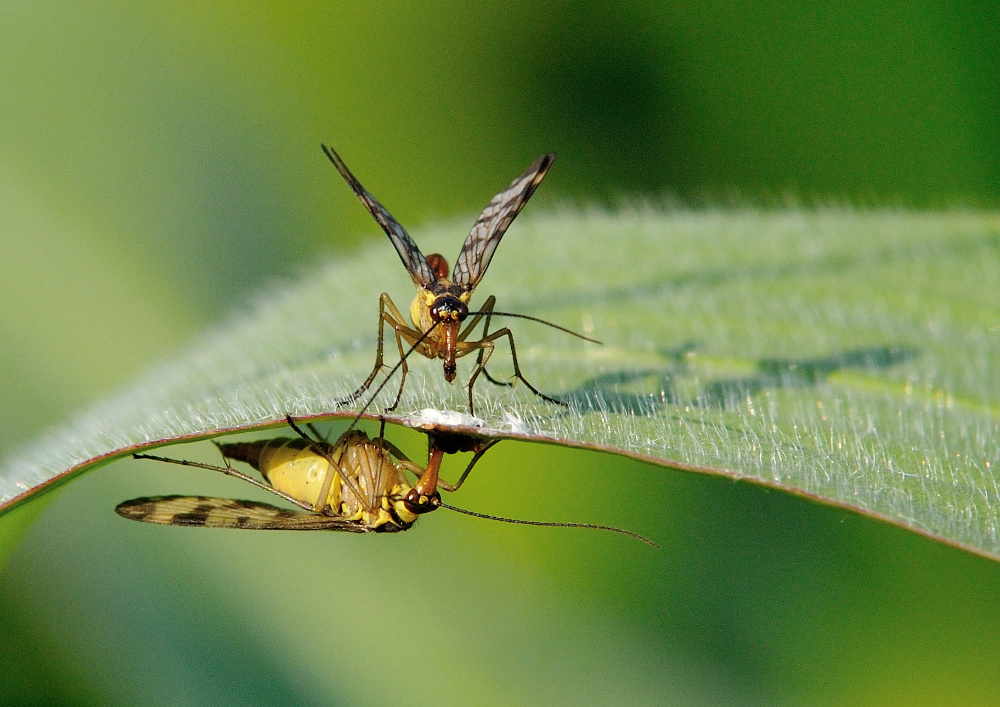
441,305
356,484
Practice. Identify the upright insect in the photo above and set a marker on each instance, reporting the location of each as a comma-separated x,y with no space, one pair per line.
441,305
356,484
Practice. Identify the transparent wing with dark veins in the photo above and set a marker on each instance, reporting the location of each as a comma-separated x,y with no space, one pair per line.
493,223
409,253
201,511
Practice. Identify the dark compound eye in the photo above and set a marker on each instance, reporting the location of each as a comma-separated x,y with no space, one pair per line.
417,503
449,308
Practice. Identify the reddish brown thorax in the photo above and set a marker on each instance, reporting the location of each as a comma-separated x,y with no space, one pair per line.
438,264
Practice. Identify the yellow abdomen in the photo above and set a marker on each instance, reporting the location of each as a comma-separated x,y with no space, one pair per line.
294,467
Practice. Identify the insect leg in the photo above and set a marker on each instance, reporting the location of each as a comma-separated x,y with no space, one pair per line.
479,453
398,453
411,467
486,343
487,311
488,308
380,444
312,428
403,367
388,313
494,381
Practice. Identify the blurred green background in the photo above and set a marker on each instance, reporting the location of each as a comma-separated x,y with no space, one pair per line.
160,167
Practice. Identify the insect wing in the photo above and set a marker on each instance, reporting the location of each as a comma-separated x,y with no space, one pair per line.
202,511
493,223
409,253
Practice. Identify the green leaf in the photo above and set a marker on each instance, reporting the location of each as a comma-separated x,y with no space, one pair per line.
846,356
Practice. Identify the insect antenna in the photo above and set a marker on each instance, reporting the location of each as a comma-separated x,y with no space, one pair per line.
591,526
540,321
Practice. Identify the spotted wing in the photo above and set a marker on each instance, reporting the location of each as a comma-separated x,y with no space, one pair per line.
409,253
493,223
201,511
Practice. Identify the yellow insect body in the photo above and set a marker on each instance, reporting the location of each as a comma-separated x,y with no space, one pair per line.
368,488
298,472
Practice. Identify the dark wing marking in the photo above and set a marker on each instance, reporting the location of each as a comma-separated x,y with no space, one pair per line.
228,513
493,223
409,253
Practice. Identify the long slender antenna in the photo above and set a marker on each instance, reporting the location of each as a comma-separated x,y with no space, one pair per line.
517,521
540,321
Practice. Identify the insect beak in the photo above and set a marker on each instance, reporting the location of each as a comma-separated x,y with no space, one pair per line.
450,342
